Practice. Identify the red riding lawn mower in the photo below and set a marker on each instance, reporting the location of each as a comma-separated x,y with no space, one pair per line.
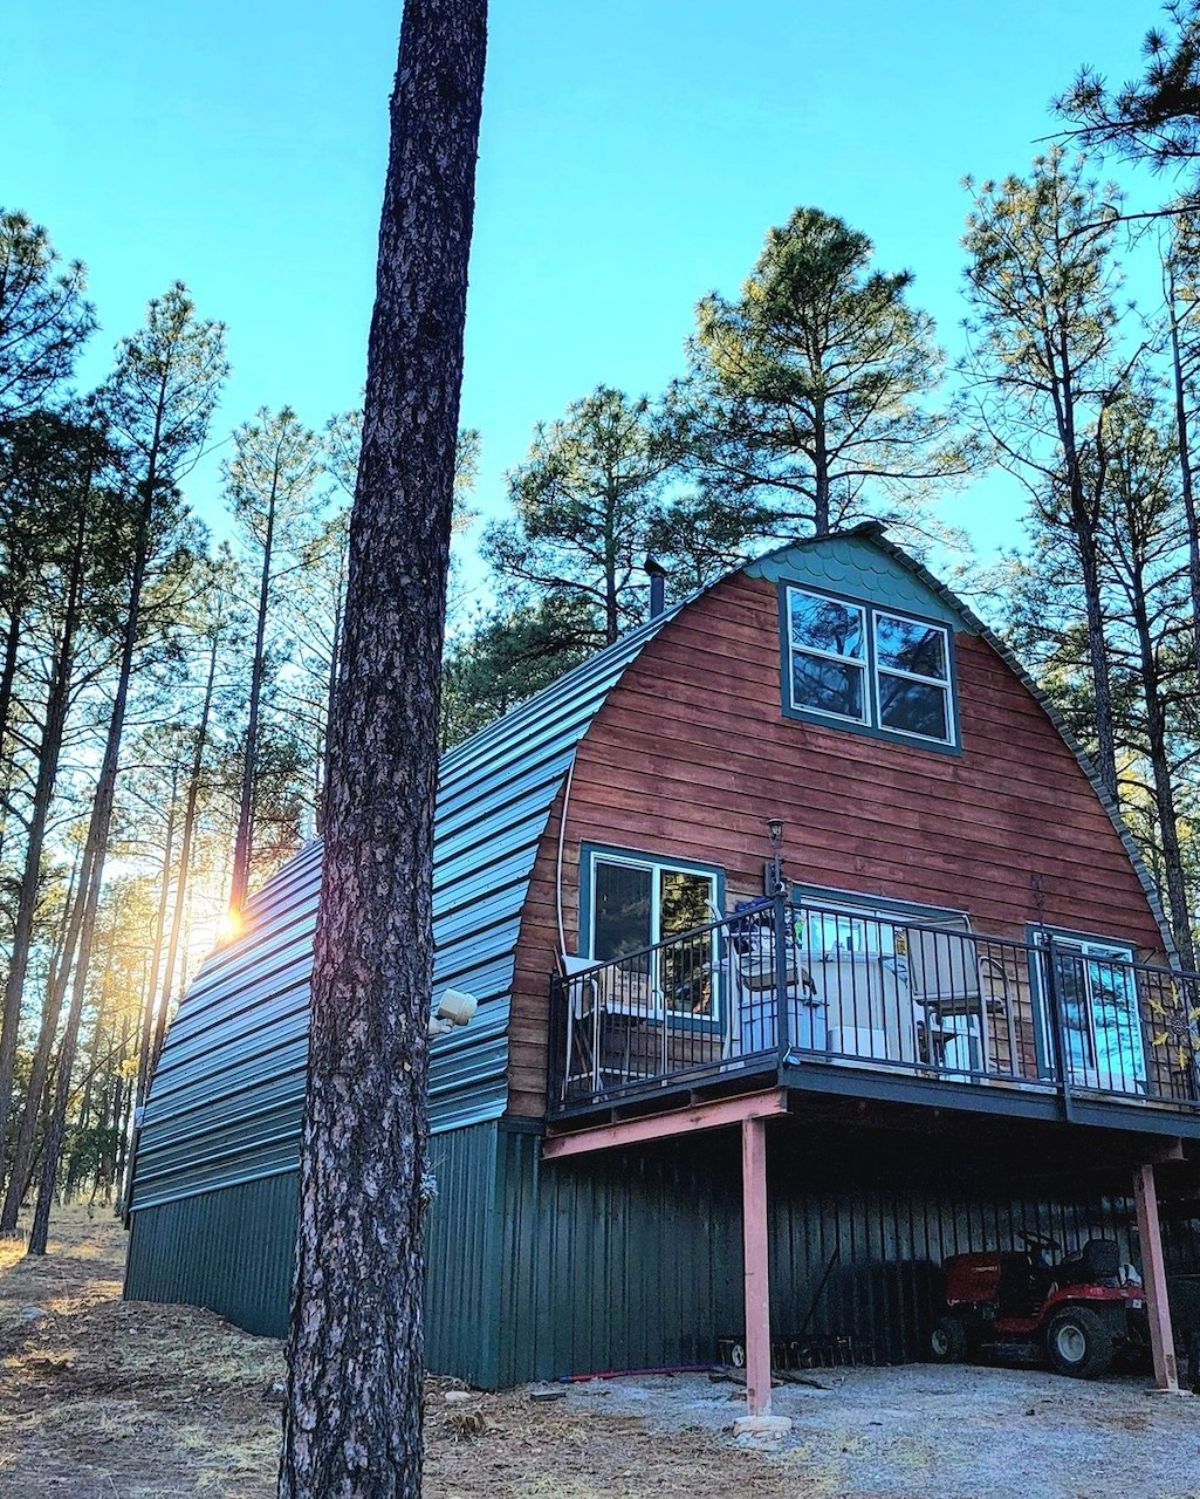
1086,1312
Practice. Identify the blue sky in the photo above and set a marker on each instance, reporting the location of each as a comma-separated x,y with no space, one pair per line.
633,155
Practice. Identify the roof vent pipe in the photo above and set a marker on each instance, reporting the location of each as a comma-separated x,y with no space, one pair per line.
657,574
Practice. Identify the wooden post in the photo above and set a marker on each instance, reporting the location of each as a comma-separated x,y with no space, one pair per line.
754,1231
1158,1309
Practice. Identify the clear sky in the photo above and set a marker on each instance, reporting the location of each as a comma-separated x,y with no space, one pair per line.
633,154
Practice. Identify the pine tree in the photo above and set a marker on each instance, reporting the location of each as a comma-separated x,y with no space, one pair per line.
806,402
1154,117
1046,368
352,1418
587,503
44,316
159,401
271,482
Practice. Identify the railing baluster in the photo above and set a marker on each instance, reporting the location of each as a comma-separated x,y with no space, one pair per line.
734,992
782,956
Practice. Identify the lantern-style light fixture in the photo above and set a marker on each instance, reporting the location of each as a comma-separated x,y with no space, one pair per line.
774,880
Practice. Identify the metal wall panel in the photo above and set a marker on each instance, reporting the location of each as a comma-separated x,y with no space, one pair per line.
226,1100
633,1259
231,1250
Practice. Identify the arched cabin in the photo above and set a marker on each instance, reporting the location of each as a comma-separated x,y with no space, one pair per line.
804,866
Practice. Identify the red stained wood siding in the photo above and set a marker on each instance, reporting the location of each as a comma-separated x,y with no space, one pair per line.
691,754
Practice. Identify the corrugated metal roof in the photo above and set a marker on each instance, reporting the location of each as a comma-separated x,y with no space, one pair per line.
226,1101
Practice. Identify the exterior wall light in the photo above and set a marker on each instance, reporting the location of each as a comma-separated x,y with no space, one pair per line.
453,1009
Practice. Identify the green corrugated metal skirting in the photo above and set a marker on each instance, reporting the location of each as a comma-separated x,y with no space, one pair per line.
633,1259
230,1250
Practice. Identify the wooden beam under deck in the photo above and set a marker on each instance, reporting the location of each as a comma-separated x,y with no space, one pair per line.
1154,1272
720,1112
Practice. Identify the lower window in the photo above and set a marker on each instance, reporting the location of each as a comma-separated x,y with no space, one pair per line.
638,903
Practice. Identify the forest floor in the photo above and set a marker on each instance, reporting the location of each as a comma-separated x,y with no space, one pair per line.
102,1399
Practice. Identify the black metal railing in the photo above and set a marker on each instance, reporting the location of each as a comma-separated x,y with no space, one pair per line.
780,984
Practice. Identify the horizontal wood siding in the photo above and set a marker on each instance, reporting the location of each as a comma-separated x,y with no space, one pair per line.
691,753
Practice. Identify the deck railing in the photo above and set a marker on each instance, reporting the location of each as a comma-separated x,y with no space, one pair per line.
781,984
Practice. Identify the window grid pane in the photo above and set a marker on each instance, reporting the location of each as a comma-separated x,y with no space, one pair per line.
910,706
827,627
909,660
911,648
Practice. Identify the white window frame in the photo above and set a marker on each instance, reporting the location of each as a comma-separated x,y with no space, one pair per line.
1115,950
862,663
871,718
656,866
944,684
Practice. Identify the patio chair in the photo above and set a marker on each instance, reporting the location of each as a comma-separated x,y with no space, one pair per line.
946,981
592,1002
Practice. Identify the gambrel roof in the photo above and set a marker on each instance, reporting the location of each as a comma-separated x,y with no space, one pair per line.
225,1104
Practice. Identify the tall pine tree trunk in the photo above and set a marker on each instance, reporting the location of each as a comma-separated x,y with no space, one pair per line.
23,1151
191,801
160,929
55,719
330,704
1186,478
1165,805
8,676
1106,743
352,1420
244,847
79,941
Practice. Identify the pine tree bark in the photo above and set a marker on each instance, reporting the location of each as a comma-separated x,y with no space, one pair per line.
54,724
352,1422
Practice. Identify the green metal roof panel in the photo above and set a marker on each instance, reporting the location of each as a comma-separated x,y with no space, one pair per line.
226,1101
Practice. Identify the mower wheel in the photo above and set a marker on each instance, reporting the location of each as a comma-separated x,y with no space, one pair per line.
948,1341
1079,1343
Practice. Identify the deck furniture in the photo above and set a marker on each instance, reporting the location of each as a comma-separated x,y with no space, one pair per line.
946,975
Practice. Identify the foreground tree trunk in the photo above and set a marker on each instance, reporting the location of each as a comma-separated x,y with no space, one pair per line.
352,1421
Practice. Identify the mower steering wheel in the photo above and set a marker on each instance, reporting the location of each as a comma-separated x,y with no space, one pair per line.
1038,1241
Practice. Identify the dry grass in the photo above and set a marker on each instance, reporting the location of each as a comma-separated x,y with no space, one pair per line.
104,1399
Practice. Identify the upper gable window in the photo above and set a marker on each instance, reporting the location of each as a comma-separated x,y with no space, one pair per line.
829,655
869,668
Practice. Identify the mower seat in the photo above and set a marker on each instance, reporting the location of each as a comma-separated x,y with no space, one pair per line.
1097,1262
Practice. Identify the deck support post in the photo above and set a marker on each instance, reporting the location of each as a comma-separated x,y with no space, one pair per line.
757,1287
1158,1308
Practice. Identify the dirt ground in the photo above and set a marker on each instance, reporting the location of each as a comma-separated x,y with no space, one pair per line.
105,1400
